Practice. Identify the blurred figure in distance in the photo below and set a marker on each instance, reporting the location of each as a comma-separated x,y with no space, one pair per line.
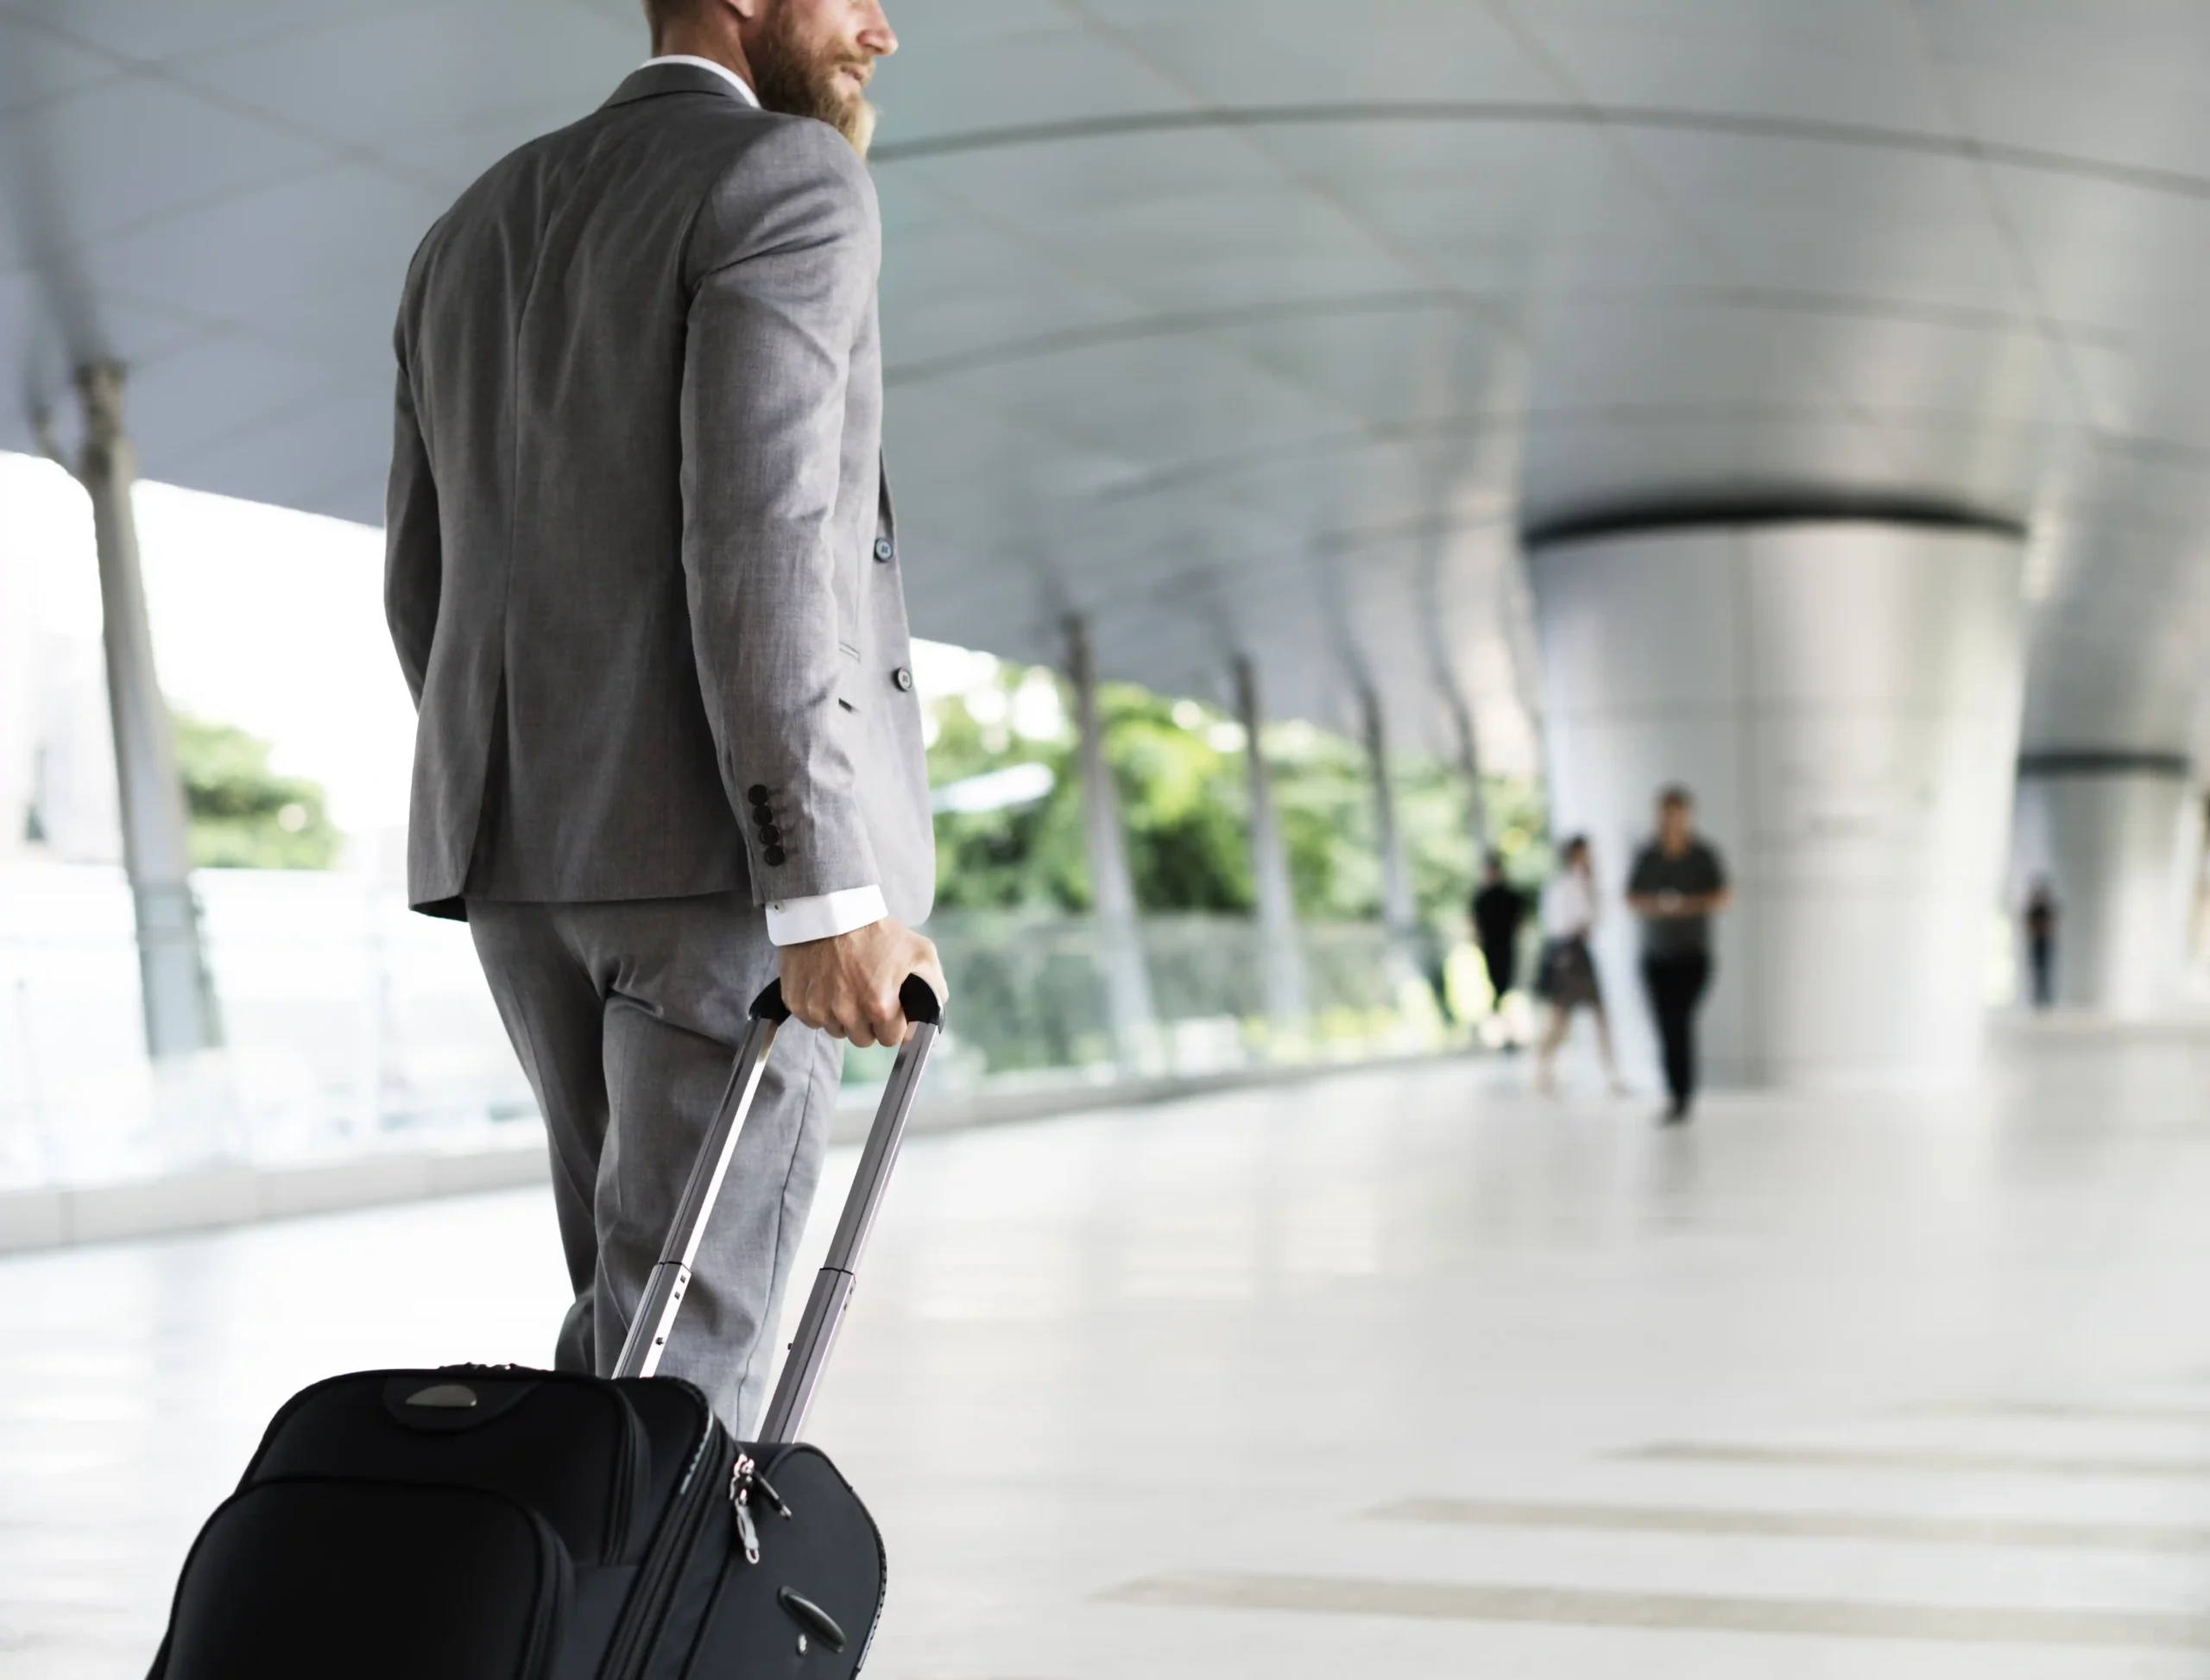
1565,974
1499,910
2040,918
1677,885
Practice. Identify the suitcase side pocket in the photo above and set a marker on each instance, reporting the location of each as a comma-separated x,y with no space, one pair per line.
366,1580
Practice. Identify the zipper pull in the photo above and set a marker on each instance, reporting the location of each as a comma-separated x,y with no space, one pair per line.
766,1490
741,1477
748,1531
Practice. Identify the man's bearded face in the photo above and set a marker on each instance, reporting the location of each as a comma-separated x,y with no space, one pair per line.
803,69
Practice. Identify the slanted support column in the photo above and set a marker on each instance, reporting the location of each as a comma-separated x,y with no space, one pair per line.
1281,958
1127,980
1397,913
180,999
1470,765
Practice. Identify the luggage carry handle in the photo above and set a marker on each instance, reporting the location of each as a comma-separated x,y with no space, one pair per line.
832,1288
832,1284
671,1275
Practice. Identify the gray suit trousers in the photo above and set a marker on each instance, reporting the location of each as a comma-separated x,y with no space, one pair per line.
626,1016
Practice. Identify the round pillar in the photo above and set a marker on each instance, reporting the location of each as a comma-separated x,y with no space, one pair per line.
2113,834
1842,695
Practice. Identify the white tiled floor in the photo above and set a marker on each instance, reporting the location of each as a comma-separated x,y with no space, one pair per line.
1129,1393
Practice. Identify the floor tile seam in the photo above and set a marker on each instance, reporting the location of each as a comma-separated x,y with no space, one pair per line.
1910,1461
1830,1619
1996,1534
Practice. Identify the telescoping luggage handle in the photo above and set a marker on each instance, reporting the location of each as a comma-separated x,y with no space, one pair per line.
832,1288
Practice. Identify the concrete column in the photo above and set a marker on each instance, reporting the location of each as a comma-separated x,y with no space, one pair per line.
2114,832
180,999
19,696
1842,695
1398,913
1281,957
1128,979
1470,765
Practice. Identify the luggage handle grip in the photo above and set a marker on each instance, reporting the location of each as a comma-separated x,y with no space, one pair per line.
654,1320
917,1001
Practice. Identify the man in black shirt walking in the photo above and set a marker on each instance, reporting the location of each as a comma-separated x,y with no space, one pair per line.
1677,885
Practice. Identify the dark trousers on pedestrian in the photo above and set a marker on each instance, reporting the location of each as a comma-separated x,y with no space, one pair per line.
1676,984
2041,954
1503,960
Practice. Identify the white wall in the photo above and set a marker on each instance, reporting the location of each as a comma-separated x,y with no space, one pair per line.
18,694
55,746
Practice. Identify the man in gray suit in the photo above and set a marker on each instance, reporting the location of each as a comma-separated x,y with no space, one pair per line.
643,581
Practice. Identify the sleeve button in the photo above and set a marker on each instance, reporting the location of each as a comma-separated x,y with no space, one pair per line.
757,793
903,676
774,856
884,549
771,835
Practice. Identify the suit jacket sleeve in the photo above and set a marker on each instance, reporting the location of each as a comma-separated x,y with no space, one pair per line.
414,562
784,255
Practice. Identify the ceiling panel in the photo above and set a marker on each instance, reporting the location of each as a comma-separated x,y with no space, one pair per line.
140,32
438,68
37,65
1857,63
1263,328
1300,51
126,155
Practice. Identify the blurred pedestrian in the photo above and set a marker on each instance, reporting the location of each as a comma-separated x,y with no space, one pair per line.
1676,886
1565,974
2041,941
1500,911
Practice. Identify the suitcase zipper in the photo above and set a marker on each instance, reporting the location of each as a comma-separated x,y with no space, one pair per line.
744,1479
695,1496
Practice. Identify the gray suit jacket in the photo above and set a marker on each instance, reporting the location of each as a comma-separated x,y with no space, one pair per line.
640,567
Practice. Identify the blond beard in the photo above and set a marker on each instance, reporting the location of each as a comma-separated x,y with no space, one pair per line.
787,80
859,127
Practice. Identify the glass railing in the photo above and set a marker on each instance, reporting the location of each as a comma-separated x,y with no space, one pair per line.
352,1025
1032,1000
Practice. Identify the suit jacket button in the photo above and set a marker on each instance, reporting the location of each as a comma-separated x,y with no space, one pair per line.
883,548
774,855
903,676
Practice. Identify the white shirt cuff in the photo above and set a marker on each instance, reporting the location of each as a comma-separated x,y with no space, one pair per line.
795,921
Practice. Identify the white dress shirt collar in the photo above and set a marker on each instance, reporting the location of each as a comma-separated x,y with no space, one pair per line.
720,70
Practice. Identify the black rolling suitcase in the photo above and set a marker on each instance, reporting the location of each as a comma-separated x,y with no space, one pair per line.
491,1523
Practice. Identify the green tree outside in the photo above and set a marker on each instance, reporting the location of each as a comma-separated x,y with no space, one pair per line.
245,816
1178,768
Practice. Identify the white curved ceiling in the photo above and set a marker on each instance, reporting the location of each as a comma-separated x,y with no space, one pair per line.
1267,325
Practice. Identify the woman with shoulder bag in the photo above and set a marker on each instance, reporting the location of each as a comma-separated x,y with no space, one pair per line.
1565,976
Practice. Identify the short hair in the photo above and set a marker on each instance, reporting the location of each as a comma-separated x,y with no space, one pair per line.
1574,843
1673,793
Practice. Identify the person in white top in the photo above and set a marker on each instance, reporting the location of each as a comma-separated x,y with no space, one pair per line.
1565,978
